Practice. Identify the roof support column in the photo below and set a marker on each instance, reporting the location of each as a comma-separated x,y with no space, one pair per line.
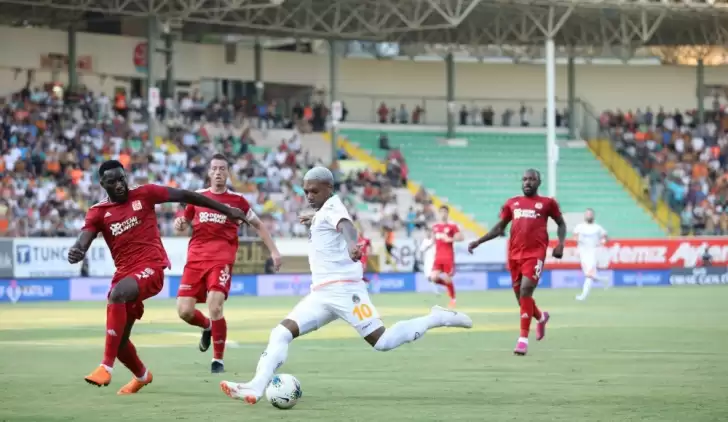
700,76
571,94
552,152
333,93
450,94
152,35
72,61
258,72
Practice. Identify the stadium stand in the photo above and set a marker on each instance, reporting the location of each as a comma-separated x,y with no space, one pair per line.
479,175
682,162
51,149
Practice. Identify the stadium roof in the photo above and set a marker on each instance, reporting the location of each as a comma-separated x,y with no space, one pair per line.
579,23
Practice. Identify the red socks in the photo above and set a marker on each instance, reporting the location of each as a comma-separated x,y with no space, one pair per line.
219,335
200,320
449,286
527,310
536,311
115,326
128,356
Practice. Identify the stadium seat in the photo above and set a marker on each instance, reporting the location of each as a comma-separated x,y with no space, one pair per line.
480,176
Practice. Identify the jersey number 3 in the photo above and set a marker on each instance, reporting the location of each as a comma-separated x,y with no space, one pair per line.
362,311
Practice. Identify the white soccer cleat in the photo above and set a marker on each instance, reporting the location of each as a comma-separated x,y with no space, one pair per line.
240,391
450,318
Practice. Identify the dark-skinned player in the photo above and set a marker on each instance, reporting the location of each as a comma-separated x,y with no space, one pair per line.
128,222
527,248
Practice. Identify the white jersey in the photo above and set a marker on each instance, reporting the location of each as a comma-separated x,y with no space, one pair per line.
427,247
589,237
328,255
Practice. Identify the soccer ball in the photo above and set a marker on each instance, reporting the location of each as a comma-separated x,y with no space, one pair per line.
283,391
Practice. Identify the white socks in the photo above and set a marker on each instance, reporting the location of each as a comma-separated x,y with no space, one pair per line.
587,287
406,331
272,359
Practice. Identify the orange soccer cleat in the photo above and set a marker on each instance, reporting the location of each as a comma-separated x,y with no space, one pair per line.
133,386
100,377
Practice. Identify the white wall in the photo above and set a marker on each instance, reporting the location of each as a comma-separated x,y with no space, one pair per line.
365,82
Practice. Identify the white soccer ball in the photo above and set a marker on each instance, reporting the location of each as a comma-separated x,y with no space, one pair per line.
283,391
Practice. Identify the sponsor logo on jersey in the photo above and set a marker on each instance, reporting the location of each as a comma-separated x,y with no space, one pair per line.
118,229
136,205
519,213
212,217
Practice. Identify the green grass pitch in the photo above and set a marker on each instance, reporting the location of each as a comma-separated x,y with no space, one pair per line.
651,354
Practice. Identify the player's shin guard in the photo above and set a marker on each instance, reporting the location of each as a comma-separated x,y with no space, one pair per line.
129,357
527,307
115,325
272,359
219,336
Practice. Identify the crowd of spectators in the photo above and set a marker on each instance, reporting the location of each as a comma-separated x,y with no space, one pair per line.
682,161
51,147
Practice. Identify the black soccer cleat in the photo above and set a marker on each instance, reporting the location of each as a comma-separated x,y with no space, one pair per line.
217,367
205,340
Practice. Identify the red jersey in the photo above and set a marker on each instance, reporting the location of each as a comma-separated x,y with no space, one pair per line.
365,245
130,228
529,217
443,234
214,236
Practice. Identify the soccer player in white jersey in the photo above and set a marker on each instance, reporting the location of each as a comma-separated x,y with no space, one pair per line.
589,237
427,249
337,292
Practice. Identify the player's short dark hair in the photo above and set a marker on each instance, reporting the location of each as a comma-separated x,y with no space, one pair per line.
538,173
445,207
219,156
109,165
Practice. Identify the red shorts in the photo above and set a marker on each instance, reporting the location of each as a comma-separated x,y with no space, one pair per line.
444,265
199,278
150,280
527,267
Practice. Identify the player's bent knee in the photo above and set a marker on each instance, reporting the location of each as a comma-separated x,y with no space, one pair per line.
281,334
124,291
215,303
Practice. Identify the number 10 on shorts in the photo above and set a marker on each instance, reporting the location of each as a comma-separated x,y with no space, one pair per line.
362,311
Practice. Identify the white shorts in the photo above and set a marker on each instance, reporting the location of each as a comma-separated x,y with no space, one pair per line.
347,301
588,263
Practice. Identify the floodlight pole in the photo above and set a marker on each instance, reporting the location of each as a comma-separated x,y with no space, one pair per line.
152,36
552,152
333,95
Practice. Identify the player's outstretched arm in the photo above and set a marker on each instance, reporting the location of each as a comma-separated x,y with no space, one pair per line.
267,239
78,251
496,231
561,234
194,198
346,227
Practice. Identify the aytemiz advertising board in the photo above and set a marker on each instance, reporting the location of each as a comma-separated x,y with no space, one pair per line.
646,254
34,290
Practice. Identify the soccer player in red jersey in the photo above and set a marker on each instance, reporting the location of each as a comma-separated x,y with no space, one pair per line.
364,246
128,222
527,249
210,258
445,234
